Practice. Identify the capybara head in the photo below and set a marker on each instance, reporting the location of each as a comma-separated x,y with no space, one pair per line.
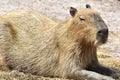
89,23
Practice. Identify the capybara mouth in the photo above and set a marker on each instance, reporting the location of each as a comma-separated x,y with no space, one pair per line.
102,39
102,36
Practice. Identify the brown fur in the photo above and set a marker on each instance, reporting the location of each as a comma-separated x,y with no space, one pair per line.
33,43
103,56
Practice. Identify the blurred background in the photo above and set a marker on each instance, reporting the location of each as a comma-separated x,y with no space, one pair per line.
58,10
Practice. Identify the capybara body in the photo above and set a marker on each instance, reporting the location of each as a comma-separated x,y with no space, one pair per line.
33,43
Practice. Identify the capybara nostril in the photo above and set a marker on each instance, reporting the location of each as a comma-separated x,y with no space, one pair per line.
103,32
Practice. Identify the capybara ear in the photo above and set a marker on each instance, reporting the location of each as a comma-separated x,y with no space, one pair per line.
88,6
73,11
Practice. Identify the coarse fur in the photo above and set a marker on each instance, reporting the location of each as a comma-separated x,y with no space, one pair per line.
33,43
103,56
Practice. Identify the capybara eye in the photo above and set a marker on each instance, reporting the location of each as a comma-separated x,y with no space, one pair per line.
82,18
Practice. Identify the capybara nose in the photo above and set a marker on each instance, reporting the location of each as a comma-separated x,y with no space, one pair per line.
102,35
103,32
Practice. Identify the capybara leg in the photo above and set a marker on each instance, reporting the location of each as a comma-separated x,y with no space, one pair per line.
3,66
101,69
5,39
84,74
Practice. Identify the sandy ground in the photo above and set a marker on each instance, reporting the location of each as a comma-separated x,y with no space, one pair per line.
58,10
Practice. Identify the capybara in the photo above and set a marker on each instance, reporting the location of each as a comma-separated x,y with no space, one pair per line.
32,43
